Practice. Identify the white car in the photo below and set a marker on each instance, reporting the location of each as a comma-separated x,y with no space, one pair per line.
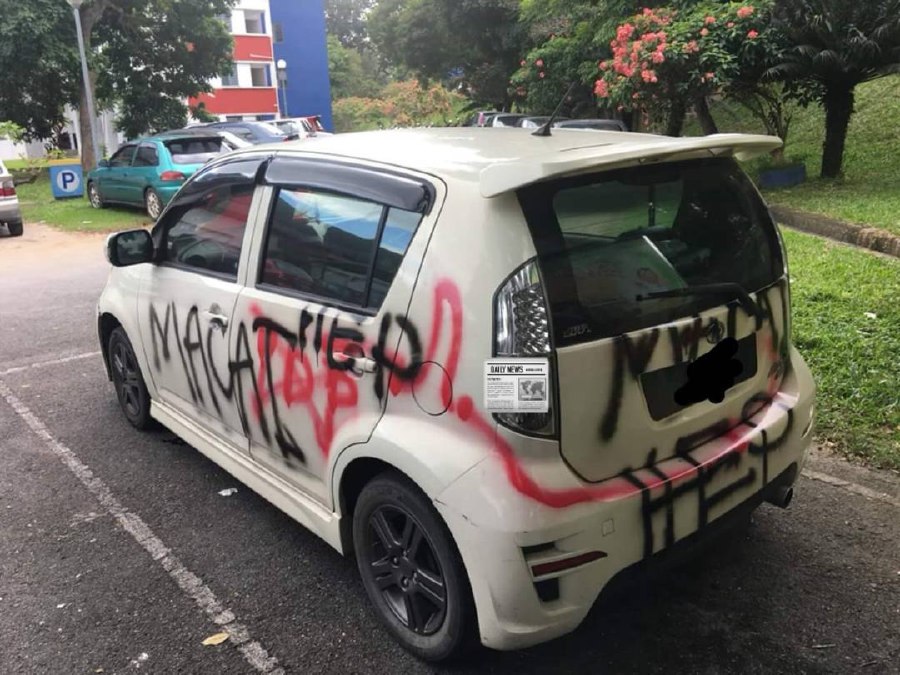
10,212
497,369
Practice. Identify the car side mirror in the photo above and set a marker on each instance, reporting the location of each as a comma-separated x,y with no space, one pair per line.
103,164
129,248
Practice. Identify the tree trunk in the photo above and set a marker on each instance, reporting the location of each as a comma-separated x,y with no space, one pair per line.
85,140
838,102
675,121
704,116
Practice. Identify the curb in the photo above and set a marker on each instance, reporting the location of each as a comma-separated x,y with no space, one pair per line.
871,238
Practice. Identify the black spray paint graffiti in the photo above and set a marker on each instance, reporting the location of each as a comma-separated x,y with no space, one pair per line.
344,345
634,354
704,475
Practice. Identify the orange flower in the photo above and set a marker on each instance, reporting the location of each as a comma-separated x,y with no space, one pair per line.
744,12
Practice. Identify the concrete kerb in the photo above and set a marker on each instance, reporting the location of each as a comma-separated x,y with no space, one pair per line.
865,237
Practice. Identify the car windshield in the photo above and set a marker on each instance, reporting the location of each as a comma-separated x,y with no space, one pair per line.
194,150
605,239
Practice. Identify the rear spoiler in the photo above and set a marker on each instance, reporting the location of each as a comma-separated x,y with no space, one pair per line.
507,176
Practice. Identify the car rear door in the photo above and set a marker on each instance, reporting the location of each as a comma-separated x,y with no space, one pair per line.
324,309
185,304
669,308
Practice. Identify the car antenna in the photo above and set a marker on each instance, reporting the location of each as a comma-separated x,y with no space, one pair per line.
545,130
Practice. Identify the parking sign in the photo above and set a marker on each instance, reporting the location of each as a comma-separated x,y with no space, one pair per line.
67,180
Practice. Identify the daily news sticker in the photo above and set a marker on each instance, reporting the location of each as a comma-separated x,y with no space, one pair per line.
517,385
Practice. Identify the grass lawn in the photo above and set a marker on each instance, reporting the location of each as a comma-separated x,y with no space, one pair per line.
76,214
868,192
847,326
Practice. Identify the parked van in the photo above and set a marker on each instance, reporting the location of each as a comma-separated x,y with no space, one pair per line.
498,369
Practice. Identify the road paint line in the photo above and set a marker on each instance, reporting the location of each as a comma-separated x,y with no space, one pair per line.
855,488
45,364
192,585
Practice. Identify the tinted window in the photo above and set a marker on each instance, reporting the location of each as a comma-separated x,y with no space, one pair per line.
146,156
603,240
324,244
122,157
204,226
194,150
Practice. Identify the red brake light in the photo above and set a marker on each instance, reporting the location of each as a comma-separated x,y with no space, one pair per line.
172,175
8,189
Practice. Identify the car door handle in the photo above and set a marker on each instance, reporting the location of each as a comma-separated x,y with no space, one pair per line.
361,364
214,316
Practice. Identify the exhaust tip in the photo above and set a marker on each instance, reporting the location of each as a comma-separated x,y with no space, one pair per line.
781,496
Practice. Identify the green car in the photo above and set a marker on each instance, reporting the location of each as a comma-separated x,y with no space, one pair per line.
149,172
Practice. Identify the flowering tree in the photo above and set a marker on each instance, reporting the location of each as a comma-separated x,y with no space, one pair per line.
666,61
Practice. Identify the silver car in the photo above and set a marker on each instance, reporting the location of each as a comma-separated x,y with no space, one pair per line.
10,213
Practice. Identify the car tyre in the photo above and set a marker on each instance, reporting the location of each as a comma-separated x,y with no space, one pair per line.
412,570
153,204
15,229
131,391
94,196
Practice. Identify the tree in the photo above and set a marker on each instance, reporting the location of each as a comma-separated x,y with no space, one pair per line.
39,71
473,44
838,44
399,104
346,21
146,56
670,60
352,73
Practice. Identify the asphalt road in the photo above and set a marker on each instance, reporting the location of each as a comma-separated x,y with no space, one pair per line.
118,553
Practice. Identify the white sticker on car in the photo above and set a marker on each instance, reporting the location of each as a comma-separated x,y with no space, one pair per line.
517,385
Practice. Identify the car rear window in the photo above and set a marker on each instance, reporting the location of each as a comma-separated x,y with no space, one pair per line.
607,238
194,150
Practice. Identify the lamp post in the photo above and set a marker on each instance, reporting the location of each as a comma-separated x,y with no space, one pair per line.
281,67
88,94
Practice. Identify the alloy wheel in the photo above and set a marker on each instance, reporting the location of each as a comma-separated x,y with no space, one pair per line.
405,568
126,377
154,205
94,196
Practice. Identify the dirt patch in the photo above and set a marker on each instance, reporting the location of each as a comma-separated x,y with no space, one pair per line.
49,247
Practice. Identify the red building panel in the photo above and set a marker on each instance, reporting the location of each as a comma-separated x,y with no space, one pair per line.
239,101
252,48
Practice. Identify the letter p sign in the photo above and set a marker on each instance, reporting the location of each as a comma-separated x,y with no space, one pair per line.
66,181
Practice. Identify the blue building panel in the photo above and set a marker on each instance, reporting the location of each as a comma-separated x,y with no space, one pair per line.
299,30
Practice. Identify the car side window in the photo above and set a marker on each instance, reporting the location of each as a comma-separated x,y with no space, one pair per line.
335,247
122,157
146,155
244,132
203,229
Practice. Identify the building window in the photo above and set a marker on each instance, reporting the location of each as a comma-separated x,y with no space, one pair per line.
277,31
234,118
260,77
230,79
254,21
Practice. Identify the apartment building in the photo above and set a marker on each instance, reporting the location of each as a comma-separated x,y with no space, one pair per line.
280,63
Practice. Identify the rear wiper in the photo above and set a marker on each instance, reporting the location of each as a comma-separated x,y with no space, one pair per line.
726,288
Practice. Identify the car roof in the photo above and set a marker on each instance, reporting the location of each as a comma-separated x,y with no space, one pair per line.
504,159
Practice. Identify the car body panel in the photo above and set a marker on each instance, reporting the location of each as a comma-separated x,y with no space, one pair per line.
10,211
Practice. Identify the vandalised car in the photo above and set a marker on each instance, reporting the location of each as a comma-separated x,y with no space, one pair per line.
497,369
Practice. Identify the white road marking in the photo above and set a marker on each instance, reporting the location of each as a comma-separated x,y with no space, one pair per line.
855,488
192,585
45,364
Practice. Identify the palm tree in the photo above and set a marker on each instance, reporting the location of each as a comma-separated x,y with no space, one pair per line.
836,45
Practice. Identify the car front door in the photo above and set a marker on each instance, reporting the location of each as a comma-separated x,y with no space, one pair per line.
144,169
185,303
324,313
111,179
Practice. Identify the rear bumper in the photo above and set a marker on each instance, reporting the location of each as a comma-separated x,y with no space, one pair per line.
10,211
502,534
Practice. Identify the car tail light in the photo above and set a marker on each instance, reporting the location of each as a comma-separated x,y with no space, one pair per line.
172,176
8,188
522,329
